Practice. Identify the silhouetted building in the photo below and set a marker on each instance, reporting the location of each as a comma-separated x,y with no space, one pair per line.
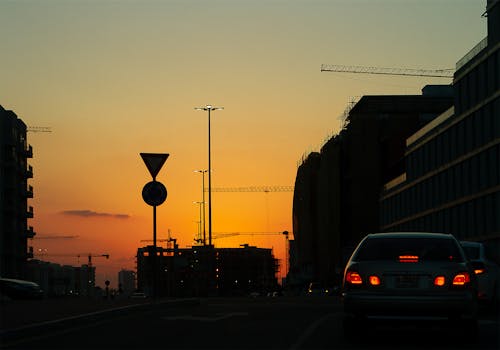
240,271
451,182
336,195
126,282
206,271
14,194
61,280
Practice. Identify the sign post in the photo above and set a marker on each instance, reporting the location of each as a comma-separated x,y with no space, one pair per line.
154,193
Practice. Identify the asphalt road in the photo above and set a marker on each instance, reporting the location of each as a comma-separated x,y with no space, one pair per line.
240,323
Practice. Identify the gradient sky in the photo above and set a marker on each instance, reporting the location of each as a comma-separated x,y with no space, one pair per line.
113,79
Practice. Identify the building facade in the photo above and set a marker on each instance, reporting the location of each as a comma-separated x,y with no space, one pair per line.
451,182
336,194
438,170
15,193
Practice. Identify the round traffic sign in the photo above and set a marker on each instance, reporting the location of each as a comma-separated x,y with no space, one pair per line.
154,193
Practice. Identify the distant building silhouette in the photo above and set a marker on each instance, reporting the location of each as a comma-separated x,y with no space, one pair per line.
126,281
14,194
58,280
207,271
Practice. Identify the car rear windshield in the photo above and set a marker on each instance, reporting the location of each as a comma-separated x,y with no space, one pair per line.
471,252
421,249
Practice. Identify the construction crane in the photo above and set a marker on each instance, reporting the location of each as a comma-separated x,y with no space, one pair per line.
150,240
168,240
38,129
55,237
436,73
90,256
253,189
230,234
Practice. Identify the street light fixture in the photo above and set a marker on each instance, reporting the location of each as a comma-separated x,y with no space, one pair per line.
203,200
209,108
201,222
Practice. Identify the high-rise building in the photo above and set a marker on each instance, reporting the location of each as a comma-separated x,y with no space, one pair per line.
336,195
14,194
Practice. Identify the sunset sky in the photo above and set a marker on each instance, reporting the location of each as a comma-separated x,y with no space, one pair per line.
113,79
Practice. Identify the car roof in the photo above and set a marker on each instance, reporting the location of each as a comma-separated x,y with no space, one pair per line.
409,234
470,244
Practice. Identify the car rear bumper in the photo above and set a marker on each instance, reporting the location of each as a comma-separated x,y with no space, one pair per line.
456,305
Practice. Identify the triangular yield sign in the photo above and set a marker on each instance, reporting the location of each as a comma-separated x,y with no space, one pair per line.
154,162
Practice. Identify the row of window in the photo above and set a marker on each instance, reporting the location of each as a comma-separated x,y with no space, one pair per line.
474,175
478,84
469,134
469,220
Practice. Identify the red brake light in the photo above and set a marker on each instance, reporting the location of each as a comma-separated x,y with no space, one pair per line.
461,279
439,281
479,271
408,258
353,277
374,280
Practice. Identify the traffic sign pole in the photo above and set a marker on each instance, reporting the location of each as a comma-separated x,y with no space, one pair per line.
154,193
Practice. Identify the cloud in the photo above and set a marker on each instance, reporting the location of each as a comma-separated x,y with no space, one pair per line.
90,213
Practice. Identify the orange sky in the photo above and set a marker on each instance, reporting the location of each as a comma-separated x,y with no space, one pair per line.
113,79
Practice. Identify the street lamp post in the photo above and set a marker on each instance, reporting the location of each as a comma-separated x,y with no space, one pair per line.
201,222
209,108
203,200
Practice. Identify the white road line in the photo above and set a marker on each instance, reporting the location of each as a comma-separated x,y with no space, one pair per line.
307,333
204,318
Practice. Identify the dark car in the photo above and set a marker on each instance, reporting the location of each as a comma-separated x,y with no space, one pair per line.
409,276
20,289
486,270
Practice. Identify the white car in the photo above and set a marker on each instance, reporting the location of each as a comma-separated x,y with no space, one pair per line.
487,272
409,277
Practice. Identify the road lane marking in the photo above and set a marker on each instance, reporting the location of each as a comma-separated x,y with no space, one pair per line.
204,318
310,330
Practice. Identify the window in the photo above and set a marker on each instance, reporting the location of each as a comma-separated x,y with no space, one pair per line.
460,138
478,127
453,145
494,163
469,134
475,173
479,216
427,249
446,145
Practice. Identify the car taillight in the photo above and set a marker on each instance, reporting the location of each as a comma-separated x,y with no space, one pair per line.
374,280
479,271
461,279
353,277
439,281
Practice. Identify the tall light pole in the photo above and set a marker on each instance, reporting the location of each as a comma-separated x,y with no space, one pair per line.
203,200
209,108
200,223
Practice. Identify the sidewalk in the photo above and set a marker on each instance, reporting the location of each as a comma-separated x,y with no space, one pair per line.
20,313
